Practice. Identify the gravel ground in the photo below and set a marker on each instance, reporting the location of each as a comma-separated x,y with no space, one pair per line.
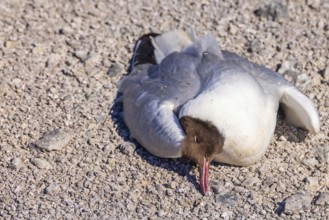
66,154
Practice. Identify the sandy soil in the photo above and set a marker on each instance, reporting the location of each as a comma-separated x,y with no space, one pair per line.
66,154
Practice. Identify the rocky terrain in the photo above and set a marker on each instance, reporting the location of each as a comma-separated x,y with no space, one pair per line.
65,152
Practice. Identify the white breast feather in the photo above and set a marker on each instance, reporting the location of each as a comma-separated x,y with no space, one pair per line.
243,114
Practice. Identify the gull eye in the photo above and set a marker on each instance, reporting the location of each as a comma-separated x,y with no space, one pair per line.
196,139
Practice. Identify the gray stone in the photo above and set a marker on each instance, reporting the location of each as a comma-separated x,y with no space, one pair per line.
53,189
293,137
111,162
11,44
227,198
16,163
216,187
81,54
226,215
322,153
4,89
297,203
311,162
114,70
121,180
169,192
254,46
326,73
54,140
323,199
286,65
109,148
41,163
233,29
92,60
161,213
66,30
326,104
300,80
127,148
52,61
94,142
159,188
251,181
314,4
100,118
273,10
312,182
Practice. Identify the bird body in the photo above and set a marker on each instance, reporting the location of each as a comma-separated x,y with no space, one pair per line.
193,99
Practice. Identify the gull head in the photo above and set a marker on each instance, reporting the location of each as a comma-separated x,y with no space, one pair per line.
203,140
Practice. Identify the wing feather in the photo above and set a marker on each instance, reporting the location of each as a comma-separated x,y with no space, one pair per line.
299,109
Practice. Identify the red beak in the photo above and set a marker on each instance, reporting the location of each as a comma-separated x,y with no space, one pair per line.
204,177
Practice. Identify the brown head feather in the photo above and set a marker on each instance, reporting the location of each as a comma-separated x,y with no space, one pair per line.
203,139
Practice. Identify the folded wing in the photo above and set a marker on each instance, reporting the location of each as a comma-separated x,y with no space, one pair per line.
153,93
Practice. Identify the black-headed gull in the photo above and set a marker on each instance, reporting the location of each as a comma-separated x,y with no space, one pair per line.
184,96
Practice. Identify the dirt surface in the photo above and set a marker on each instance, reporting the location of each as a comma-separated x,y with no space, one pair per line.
66,154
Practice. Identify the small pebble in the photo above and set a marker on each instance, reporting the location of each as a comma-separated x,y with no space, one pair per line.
159,188
251,182
114,70
10,44
233,29
322,153
274,10
293,138
127,148
92,60
169,192
297,203
131,207
54,140
41,163
311,162
226,198
16,163
226,215
300,80
109,148
52,189
81,54
326,73
254,46
4,89
312,181
314,4
161,213
323,199
93,142
216,187
111,162
100,118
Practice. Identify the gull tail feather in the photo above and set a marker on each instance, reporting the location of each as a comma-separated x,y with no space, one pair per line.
144,50
299,110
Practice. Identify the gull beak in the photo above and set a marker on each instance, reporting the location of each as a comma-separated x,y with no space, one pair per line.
204,170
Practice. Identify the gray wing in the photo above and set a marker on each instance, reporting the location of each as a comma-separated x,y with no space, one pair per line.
299,109
151,95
